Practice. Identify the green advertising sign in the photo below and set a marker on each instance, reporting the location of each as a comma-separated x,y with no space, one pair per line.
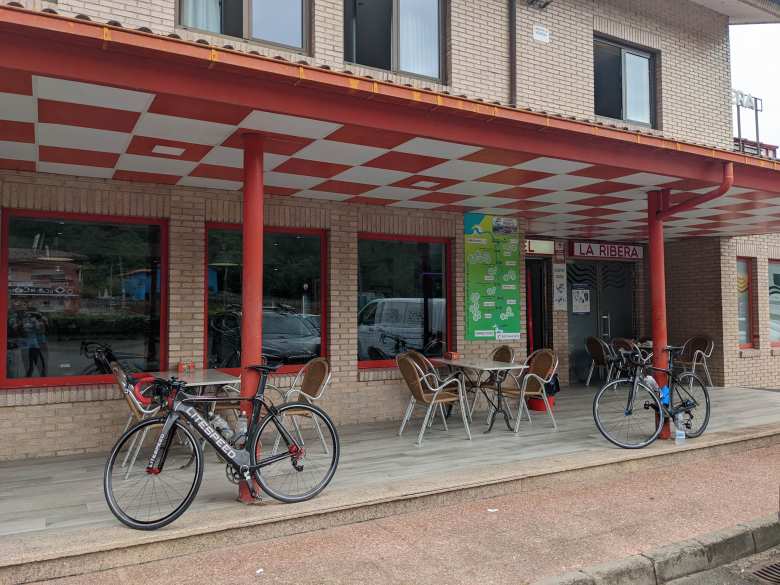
492,277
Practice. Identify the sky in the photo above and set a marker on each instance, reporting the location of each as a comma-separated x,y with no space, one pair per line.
755,69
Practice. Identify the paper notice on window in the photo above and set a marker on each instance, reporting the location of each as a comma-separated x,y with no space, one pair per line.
559,286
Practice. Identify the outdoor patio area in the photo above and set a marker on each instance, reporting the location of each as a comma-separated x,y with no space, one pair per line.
46,499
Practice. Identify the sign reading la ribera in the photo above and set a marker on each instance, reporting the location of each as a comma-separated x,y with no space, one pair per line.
607,250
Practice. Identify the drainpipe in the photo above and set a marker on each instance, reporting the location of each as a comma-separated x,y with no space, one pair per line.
696,200
513,53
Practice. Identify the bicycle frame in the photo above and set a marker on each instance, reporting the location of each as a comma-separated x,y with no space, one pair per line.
239,459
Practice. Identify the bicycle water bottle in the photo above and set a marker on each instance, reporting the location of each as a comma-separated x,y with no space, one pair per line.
222,426
241,427
679,432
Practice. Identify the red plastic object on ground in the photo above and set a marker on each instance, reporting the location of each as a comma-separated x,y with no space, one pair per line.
537,404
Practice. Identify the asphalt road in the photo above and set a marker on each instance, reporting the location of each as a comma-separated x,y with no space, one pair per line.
512,539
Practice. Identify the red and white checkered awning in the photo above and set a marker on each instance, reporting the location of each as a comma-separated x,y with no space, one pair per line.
117,104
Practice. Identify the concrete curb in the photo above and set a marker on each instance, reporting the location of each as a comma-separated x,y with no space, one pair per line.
681,559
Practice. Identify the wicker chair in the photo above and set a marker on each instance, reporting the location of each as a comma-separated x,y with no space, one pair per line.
309,385
601,356
542,366
430,391
696,351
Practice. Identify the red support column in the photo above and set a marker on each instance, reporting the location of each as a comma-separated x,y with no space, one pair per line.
251,277
656,202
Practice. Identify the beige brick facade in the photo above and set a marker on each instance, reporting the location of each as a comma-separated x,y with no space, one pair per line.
693,76
355,395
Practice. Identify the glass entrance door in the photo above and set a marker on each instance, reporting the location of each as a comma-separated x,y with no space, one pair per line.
601,303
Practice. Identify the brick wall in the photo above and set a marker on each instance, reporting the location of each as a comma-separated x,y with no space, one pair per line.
98,410
693,82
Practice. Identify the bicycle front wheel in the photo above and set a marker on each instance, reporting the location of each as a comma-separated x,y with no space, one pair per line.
312,454
147,500
690,397
626,415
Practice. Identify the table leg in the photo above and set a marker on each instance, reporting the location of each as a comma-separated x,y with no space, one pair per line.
499,407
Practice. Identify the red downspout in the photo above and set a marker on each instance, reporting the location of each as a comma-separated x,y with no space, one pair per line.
696,200
659,209
251,278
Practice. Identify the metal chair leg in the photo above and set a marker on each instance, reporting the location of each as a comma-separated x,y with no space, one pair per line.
424,425
590,372
443,417
549,409
407,415
465,417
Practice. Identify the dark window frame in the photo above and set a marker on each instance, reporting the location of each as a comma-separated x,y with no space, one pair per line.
73,381
306,28
653,85
395,48
449,285
324,301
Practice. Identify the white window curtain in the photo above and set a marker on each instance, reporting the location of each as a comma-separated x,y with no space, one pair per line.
201,14
419,37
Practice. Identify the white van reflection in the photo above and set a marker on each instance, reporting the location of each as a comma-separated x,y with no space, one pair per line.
387,327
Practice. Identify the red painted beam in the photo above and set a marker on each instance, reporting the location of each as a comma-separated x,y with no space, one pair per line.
251,277
453,120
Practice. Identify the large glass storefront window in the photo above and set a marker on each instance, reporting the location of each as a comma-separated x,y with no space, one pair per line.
774,302
72,283
402,304
292,297
744,303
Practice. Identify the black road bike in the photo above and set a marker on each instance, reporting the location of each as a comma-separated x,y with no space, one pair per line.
630,411
155,469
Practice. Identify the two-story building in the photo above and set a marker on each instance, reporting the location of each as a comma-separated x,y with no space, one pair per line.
163,162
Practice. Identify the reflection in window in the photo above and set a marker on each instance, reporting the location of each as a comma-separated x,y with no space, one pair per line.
402,35
292,293
743,301
623,82
401,298
774,302
72,282
278,22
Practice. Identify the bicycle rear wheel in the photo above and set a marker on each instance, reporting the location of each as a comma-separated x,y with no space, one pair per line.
145,500
313,456
627,417
690,394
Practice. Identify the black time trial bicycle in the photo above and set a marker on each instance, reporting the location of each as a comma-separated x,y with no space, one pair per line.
155,469
630,412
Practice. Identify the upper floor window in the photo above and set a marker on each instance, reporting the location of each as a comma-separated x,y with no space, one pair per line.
397,35
623,83
280,23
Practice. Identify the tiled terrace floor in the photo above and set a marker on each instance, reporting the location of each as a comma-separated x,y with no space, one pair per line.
61,500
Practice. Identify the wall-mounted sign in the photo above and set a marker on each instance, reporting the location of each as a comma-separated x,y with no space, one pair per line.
559,286
539,247
580,301
607,251
492,277
541,33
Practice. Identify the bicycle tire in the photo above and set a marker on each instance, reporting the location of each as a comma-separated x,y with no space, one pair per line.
268,434
190,455
620,388
690,392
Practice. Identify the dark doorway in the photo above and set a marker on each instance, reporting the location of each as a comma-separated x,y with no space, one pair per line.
537,286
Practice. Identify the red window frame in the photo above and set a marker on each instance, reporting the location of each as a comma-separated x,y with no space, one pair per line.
449,287
322,234
771,343
751,304
67,381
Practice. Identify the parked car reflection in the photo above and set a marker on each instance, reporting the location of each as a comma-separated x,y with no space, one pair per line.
387,327
288,337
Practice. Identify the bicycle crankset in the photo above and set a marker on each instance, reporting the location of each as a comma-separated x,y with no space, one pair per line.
232,474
